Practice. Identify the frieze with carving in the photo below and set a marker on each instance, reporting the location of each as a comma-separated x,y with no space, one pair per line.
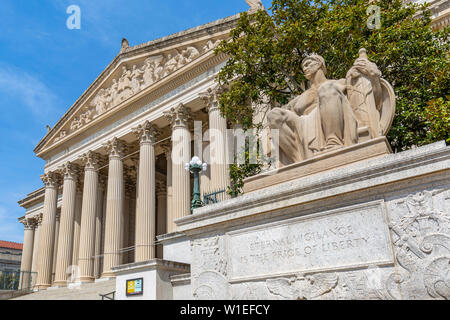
135,79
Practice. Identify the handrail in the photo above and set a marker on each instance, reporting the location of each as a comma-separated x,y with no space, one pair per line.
214,197
107,296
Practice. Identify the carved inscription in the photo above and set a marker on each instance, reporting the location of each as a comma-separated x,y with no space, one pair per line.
351,237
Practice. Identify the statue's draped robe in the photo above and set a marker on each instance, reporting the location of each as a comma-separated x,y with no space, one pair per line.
310,127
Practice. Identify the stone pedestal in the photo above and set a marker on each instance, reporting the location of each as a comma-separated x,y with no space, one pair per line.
156,279
378,229
175,247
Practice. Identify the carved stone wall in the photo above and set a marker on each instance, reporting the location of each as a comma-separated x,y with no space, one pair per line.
389,241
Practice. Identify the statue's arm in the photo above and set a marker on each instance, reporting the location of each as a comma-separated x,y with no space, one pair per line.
299,104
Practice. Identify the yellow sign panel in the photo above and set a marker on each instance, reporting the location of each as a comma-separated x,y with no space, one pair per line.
135,287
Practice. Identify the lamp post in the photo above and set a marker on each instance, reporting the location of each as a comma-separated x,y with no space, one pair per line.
195,166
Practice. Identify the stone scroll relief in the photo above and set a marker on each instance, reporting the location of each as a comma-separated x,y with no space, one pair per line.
135,79
421,236
209,269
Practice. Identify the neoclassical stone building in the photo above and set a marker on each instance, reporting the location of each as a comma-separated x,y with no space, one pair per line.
115,173
115,180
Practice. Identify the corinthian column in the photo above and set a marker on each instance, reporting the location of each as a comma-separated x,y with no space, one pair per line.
77,222
70,172
47,235
91,161
27,254
145,215
114,207
181,153
217,142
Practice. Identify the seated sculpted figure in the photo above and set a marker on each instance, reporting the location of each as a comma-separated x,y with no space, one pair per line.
322,118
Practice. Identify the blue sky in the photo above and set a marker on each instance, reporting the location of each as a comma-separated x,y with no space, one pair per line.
45,67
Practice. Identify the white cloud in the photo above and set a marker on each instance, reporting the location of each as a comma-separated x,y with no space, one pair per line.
33,93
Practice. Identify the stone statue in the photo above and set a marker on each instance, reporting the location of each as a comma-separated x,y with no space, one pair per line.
330,114
255,4
135,79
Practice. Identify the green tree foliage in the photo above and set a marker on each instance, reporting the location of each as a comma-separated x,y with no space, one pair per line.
266,50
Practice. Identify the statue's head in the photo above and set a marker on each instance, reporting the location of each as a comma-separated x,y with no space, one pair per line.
313,63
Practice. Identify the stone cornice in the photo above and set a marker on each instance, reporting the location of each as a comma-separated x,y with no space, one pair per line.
222,26
32,198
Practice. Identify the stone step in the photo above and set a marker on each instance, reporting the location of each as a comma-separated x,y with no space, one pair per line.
90,291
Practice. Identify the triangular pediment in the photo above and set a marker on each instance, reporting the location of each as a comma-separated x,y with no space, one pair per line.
135,70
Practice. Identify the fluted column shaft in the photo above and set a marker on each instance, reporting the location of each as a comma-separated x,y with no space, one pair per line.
91,163
146,207
66,225
37,232
55,249
132,227
114,207
181,154
168,153
161,198
27,254
99,227
125,226
77,224
47,235
219,179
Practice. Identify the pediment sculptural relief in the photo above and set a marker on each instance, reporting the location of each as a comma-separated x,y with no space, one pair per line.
333,114
132,81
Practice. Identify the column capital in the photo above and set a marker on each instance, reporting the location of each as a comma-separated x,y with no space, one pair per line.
38,219
70,171
211,98
91,160
178,116
146,132
51,180
116,148
28,223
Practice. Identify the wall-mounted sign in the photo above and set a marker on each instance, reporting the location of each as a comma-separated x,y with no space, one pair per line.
135,287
